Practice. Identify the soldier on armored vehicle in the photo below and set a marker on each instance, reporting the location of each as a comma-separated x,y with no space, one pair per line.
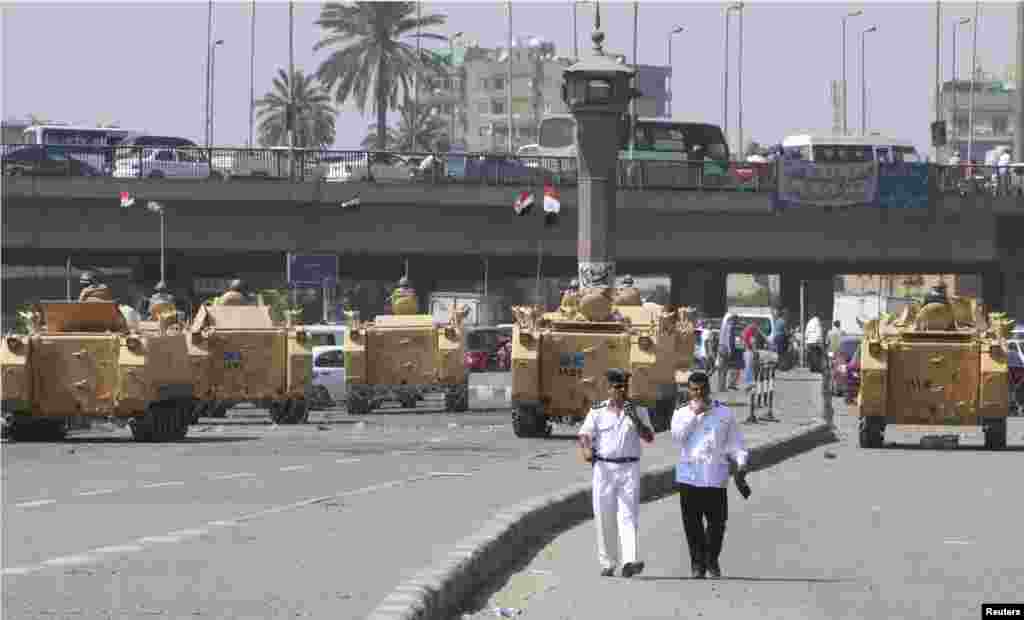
235,295
627,294
403,298
93,289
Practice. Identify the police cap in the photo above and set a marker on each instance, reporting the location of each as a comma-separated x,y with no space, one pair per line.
617,376
237,285
627,281
88,277
160,287
403,281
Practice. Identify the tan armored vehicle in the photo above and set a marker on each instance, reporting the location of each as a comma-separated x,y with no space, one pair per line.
404,355
239,355
938,364
559,358
83,359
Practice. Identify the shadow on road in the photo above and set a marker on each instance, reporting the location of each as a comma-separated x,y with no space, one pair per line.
129,440
919,447
744,579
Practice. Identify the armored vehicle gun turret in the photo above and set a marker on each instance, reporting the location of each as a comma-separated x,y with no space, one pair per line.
941,363
84,360
239,355
559,359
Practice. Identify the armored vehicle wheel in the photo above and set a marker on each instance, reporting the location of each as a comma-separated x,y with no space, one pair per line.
527,422
289,411
407,400
872,432
358,405
199,410
26,428
995,433
219,409
163,421
319,398
300,411
457,400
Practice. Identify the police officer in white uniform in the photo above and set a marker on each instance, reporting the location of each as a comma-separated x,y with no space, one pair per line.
709,440
610,441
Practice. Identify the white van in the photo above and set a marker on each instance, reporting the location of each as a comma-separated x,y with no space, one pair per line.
332,335
829,148
328,387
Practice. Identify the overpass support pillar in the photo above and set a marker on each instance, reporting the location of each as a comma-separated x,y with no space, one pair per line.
819,295
699,287
1002,284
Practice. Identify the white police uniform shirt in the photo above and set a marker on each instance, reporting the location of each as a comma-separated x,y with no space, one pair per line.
616,486
705,445
613,434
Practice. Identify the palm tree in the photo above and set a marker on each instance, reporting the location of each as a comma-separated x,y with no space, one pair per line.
314,115
419,128
368,56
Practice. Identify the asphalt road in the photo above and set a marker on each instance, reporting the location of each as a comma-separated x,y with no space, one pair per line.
839,532
246,520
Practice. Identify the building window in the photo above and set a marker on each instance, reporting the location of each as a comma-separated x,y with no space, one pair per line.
1000,125
498,83
497,107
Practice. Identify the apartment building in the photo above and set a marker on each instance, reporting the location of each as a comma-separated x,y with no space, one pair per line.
474,96
993,114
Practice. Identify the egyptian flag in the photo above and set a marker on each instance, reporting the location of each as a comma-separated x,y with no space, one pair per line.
524,204
552,205
127,200
353,203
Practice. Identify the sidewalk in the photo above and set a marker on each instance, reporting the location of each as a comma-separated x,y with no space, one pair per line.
497,545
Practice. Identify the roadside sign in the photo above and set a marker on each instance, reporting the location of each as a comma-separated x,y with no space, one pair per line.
312,270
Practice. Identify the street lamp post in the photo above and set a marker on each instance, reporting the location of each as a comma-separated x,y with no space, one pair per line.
209,48
252,71
508,79
739,81
725,80
974,73
290,116
451,82
671,33
863,84
213,71
955,71
158,208
857,13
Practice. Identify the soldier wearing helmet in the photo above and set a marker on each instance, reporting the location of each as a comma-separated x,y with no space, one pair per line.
94,289
235,294
570,298
161,301
403,298
627,294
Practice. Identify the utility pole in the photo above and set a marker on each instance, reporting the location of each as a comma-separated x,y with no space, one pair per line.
938,74
291,90
974,73
252,72
508,79
1018,134
209,51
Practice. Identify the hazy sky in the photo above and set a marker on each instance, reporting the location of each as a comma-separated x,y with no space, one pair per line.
143,63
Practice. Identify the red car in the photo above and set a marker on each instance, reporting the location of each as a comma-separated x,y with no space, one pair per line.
849,347
486,349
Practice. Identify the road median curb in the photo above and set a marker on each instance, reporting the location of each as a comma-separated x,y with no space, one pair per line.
441,591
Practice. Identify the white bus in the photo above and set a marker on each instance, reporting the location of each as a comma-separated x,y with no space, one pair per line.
829,148
90,144
657,139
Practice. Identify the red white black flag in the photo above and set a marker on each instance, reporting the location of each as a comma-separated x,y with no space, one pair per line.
524,204
552,204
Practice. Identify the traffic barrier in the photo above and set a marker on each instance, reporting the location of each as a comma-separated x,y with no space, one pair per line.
490,388
762,393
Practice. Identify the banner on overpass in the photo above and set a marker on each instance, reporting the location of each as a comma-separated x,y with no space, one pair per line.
903,186
312,270
808,184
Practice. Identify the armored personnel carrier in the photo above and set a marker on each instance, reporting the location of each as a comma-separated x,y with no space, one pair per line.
84,360
405,355
238,355
940,363
559,358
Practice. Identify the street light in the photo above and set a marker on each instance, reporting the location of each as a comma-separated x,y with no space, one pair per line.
575,37
955,71
858,13
451,81
863,84
739,81
725,81
252,70
158,208
974,73
671,33
213,69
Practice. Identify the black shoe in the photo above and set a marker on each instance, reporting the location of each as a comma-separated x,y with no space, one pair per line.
608,572
714,570
632,568
698,572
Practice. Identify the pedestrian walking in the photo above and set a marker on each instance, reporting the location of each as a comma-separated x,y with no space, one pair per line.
709,441
730,360
814,341
610,440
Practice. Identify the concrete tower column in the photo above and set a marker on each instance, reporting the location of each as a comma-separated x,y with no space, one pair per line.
701,287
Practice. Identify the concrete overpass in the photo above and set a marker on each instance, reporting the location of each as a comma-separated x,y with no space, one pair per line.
698,237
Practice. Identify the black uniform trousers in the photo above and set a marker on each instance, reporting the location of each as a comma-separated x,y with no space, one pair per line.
697,505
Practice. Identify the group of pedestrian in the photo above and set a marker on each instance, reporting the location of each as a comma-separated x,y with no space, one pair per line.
711,451
738,347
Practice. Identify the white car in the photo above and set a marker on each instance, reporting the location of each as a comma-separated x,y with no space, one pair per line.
329,377
387,167
271,163
165,163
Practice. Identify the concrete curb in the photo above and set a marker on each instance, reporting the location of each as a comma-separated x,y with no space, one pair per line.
439,592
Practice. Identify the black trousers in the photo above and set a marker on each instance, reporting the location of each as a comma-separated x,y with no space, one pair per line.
699,505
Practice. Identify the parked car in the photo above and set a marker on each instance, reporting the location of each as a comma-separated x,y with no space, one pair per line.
157,163
329,378
497,170
37,160
269,163
388,167
848,346
482,348
853,377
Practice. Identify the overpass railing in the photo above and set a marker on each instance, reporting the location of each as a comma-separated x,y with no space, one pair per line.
340,166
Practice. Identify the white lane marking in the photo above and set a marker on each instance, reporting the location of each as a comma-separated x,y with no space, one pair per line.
69,560
167,538
173,483
190,533
19,570
223,523
956,542
34,503
96,492
117,549
449,473
294,467
243,474
346,461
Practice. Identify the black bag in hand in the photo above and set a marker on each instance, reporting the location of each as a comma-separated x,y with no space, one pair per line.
741,484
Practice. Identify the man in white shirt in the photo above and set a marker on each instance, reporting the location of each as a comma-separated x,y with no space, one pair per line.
814,341
709,439
610,441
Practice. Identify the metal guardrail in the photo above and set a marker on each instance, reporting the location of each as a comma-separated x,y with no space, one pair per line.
314,165
762,393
